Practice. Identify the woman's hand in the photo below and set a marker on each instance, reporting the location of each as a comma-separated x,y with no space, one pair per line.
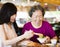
47,39
28,34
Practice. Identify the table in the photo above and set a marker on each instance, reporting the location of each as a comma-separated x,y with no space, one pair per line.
41,45
34,44
53,45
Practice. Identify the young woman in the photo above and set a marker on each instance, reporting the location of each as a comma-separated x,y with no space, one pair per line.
38,25
7,32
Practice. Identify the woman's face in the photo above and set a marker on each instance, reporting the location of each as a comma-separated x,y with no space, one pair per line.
37,16
12,18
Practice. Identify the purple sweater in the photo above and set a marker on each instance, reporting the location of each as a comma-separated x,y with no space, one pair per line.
45,29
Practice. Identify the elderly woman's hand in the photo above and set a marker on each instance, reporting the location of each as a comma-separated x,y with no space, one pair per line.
28,34
47,39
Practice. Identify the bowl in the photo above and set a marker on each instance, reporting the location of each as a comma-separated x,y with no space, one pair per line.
53,41
41,40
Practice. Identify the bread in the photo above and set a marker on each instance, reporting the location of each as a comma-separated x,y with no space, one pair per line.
33,44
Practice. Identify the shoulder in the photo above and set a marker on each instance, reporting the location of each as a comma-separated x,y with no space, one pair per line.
2,33
1,27
45,22
26,24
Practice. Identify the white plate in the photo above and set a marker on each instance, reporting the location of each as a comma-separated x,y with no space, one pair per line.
41,40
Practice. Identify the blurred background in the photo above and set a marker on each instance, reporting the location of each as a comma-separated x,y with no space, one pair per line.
52,11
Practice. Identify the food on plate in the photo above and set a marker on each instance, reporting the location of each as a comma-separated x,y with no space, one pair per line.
33,44
40,35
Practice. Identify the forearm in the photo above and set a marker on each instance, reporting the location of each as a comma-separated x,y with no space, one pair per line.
48,39
14,40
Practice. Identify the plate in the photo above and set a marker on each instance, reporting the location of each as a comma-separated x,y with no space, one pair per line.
41,40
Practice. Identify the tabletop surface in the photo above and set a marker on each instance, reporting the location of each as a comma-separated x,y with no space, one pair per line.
41,45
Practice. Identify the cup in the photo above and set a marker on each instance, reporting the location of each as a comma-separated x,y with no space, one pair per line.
53,41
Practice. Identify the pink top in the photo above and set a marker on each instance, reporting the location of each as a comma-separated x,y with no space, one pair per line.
45,29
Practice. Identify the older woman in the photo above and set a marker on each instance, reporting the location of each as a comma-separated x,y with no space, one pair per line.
38,25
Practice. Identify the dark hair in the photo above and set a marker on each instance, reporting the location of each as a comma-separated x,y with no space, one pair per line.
34,8
7,10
